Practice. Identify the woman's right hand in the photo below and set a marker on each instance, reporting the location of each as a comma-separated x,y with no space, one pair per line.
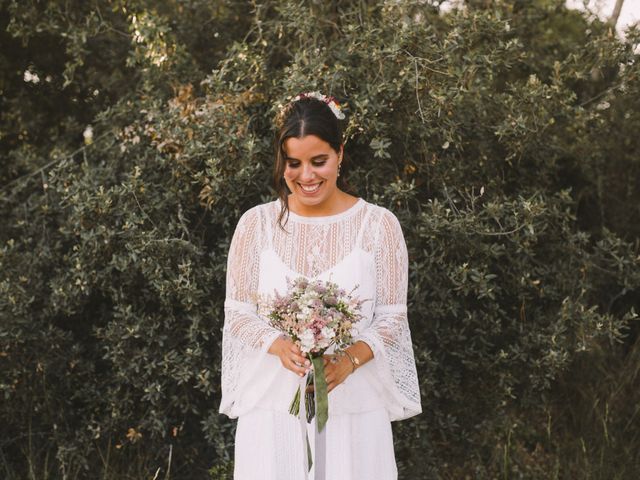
290,356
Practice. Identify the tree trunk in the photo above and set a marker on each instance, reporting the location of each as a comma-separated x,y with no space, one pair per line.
613,19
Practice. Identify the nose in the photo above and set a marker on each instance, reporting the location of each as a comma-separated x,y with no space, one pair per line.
308,172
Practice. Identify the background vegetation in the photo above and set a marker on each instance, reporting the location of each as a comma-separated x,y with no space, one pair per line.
135,133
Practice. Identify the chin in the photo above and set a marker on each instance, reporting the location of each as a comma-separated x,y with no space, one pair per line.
305,200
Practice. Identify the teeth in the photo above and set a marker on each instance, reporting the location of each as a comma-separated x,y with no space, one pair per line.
311,188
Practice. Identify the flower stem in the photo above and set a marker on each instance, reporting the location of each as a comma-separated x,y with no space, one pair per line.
294,408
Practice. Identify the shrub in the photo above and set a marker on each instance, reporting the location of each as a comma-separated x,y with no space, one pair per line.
501,135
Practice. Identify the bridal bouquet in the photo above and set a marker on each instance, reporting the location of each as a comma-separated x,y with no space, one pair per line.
315,314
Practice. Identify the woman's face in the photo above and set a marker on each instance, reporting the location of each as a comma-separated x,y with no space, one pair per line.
311,170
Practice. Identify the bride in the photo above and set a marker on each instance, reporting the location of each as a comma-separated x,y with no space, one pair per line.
316,229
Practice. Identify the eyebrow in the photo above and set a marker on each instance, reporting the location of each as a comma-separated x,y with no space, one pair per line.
316,157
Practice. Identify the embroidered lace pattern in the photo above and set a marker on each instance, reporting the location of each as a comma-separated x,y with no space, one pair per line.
311,246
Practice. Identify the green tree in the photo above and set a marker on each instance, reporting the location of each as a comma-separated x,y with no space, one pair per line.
501,134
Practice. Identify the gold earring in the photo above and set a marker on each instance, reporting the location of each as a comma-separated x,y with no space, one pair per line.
339,166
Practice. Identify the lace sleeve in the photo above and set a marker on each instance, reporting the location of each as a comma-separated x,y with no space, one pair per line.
246,337
388,334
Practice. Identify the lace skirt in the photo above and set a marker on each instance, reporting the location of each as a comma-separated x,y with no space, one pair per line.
269,446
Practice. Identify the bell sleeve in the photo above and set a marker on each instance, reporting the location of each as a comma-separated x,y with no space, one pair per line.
388,334
246,337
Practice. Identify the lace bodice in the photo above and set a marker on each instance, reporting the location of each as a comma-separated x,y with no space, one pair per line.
362,247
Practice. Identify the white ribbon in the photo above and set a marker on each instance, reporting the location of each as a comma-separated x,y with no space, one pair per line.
319,459
303,424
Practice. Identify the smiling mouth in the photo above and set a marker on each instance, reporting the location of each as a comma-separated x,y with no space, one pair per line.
310,188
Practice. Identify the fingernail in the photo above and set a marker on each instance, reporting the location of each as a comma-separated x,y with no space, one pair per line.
307,363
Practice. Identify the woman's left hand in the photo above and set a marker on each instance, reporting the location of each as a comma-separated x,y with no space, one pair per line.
336,370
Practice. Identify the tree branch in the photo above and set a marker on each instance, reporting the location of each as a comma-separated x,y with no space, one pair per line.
613,19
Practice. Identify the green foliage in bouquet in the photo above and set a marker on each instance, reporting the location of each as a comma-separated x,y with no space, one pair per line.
134,134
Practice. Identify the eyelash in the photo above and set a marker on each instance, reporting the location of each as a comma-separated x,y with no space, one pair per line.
296,165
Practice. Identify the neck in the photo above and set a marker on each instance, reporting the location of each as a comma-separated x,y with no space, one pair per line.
337,203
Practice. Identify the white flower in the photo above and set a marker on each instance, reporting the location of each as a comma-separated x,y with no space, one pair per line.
327,335
31,77
305,312
327,332
88,135
307,340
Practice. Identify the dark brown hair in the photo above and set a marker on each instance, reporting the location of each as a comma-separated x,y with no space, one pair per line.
307,116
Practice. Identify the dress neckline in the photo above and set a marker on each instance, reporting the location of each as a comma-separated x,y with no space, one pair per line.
327,271
329,218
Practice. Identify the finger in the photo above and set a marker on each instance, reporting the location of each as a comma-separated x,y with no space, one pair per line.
297,369
303,360
329,359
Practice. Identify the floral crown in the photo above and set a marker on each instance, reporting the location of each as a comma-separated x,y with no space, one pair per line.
329,100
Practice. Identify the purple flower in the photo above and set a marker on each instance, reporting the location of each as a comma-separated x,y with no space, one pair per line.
331,300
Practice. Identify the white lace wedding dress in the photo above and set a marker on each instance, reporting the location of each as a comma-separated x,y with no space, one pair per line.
362,247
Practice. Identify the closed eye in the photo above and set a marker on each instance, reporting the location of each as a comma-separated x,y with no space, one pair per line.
297,164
